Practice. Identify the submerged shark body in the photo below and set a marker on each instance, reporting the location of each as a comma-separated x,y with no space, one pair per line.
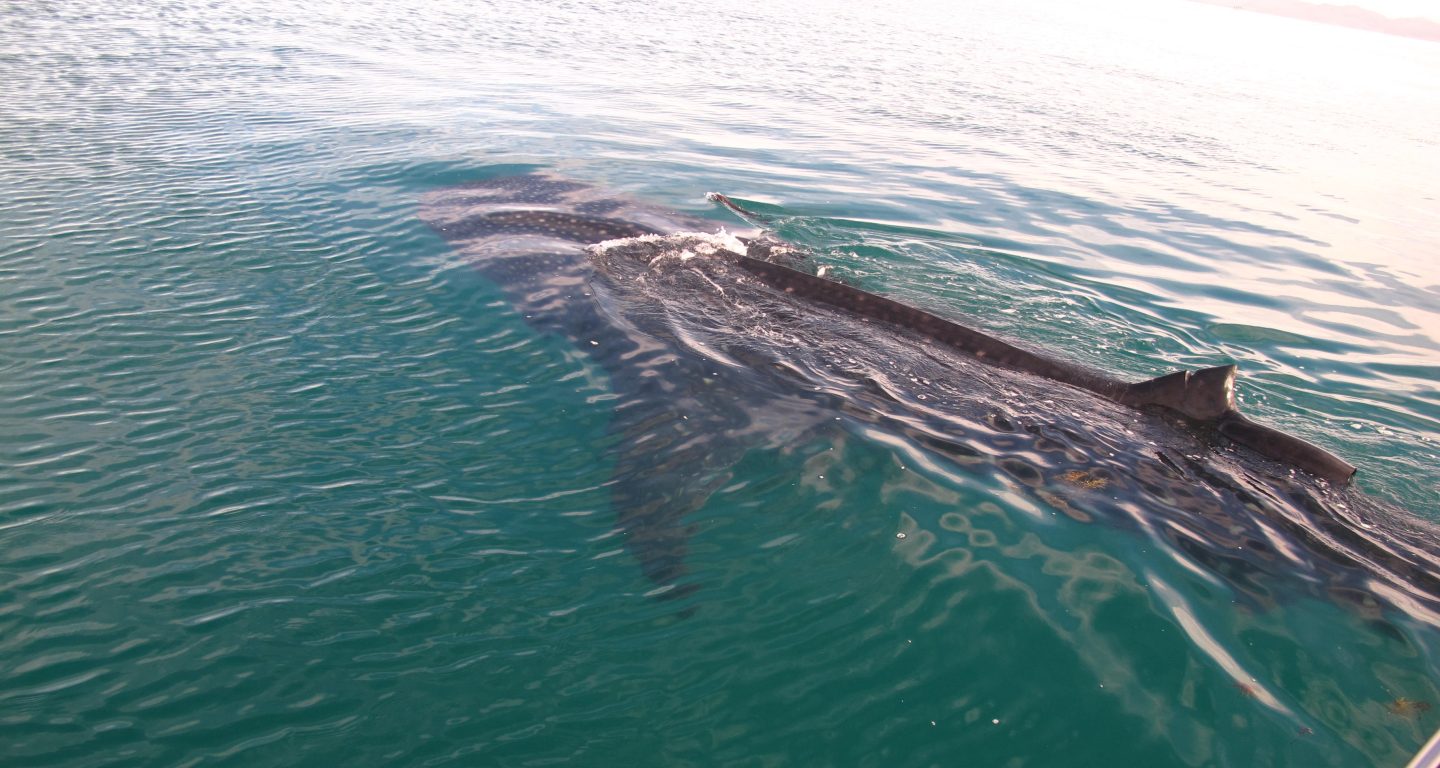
716,345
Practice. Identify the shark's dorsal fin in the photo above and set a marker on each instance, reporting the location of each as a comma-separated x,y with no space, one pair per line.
1208,396
1203,395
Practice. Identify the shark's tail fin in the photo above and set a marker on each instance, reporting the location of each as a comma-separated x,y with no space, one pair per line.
1287,448
1209,396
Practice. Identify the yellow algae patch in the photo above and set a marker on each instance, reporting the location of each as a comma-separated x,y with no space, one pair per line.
1407,707
1086,480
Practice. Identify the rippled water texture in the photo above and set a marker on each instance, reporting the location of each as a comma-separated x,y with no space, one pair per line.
285,479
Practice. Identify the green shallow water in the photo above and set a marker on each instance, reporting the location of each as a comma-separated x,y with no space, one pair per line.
283,481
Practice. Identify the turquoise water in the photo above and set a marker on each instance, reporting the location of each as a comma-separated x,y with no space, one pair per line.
285,481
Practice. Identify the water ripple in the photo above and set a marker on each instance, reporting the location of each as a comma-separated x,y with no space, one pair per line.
281,481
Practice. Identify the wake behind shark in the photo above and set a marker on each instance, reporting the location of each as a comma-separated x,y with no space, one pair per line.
717,344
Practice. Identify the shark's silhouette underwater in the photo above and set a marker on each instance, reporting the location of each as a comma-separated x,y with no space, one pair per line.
717,344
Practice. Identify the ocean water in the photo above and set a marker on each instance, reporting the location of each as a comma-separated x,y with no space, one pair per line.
284,480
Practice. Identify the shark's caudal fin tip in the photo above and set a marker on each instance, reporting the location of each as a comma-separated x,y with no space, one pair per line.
1287,448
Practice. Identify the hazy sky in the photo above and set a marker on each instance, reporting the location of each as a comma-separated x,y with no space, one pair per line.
1399,9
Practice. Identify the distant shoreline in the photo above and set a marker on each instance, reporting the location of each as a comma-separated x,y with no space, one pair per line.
1338,15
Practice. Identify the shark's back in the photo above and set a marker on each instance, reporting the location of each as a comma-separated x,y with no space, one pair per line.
707,362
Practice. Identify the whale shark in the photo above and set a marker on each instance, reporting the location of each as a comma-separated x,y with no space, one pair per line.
1206,397
718,343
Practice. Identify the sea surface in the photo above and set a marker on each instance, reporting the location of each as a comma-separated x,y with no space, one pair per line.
283,481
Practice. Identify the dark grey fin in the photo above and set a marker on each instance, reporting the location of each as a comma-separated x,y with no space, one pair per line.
677,431
748,216
1203,395
1208,396
1289,449
764,246
658,486
1211,393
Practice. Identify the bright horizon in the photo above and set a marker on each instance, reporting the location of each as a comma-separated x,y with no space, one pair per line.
1395,9
1419,19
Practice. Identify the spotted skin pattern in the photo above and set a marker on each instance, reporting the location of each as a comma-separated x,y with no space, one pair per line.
678,427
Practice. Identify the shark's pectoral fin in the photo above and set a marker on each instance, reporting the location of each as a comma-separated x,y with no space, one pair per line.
653,516
671,456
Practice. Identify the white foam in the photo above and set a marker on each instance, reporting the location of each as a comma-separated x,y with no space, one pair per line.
703,244
620,242
681,245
